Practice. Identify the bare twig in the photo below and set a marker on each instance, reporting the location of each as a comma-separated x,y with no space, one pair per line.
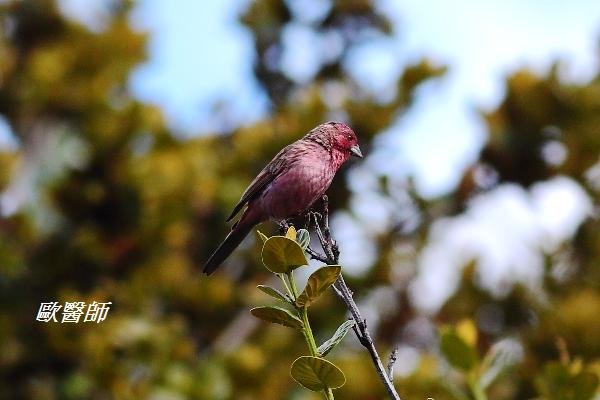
391,362
316,256
332,257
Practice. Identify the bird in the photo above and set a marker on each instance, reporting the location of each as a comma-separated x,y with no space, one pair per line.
290,183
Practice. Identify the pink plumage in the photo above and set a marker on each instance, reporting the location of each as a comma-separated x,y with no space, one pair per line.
290,183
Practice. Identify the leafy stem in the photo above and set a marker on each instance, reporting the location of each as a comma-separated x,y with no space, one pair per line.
293,286
476,388
306,329
285,285
310,339
282,255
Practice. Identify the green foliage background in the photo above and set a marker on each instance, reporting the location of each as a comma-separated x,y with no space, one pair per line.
121,210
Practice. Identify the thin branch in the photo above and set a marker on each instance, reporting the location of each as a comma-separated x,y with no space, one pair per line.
332,253
391,362
315,255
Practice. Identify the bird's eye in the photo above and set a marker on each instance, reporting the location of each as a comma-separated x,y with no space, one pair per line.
349,137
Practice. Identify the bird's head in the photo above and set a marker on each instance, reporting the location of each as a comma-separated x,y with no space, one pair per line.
343,139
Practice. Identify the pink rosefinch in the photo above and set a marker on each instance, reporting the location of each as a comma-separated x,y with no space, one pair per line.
298,175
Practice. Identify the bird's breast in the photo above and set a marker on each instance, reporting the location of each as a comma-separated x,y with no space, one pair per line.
298,188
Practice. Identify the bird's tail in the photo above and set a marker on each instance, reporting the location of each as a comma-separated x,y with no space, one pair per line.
233,240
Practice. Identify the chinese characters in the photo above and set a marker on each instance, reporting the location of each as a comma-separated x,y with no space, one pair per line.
73,311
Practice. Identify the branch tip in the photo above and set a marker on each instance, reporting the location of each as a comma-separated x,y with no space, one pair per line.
391,362
331,256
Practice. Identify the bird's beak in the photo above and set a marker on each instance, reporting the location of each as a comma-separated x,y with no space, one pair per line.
355,150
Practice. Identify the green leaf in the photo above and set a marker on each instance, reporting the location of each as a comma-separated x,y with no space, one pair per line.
337,337
272,292
263,238
291,233
456,351
282,255
317,283
317,374
303,238
277,315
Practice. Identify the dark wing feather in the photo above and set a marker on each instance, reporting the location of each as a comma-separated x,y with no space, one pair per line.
271,171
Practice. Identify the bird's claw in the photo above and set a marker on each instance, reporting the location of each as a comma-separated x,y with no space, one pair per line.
283,226
317,216
313,216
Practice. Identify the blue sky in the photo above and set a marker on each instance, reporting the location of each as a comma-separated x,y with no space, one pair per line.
200,55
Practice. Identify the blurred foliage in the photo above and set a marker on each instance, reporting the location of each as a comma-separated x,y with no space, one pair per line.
112,207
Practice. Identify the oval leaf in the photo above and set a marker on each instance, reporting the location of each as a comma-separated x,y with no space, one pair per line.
317,374
282,255
317,283
303,238
337,337
272,292
291,233
456,351
276,315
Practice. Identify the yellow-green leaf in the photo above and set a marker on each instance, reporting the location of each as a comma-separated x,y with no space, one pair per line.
291,233
317,374
272,292
277,315
282,255
456,351
317,283
467,331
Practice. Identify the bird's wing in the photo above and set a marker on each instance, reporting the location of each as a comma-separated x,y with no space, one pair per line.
271,171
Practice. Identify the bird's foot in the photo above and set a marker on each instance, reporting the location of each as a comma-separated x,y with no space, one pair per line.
283,226
335,248
316,216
